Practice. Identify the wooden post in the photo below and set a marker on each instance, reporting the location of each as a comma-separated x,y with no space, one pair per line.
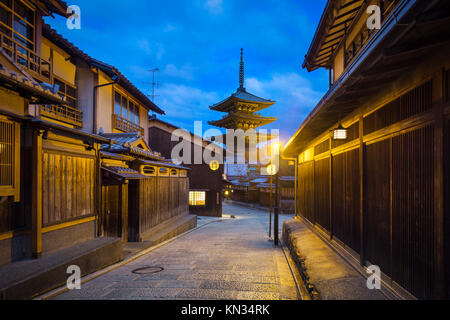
17,162
36,219
331,190
439,220
98,194
361,188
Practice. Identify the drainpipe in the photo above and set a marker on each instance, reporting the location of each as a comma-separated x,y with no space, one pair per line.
100,225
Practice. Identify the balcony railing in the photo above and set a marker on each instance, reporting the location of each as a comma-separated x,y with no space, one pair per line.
124,125
37,67
387,7
64,114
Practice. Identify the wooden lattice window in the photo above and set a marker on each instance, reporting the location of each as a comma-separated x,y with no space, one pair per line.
69,92
197,198
9,158
322,147
410,104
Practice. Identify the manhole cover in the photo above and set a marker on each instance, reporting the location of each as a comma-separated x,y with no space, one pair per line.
148,270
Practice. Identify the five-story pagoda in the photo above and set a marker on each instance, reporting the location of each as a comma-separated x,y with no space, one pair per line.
241,107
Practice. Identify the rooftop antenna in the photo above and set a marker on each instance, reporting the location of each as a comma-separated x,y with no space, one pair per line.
241,72
155,85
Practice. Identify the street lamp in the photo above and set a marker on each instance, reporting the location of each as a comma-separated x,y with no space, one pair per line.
276,149
340,133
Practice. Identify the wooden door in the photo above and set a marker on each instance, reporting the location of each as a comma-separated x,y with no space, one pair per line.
111,205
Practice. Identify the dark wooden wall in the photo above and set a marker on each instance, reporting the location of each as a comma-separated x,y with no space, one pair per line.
399,176
306,191
413,211
322,193
201,177
155,200
346,198
67,188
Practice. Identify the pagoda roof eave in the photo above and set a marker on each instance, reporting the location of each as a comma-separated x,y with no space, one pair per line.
242,96
235,118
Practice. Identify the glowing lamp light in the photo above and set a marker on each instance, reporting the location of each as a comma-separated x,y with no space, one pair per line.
276,148
214,165
340,133
227,193
272,170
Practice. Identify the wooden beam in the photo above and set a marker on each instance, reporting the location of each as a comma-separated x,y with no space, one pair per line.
412,50
36,219
388,71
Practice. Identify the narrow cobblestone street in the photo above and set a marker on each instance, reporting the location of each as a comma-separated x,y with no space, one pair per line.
226,258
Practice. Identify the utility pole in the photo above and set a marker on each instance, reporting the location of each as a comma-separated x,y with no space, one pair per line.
277,205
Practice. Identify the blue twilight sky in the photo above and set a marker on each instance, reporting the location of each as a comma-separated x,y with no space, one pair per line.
196,45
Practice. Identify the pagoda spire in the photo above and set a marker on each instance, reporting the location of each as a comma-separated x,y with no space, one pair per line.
241,72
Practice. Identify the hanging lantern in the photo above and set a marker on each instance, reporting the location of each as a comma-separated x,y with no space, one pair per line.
340,133
214,165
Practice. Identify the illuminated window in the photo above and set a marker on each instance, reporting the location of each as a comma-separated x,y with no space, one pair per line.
197,198
9,157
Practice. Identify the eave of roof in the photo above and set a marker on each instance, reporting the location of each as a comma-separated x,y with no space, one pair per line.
56,6
21,80
241,95
124,82
195,138
66,130
123,173
327,23
163,164
237,115
338,88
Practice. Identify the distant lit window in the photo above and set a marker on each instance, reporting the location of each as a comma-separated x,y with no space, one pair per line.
197,198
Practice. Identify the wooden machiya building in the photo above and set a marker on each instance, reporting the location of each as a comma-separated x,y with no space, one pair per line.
141,193
48,167
380,189
205,184
75,168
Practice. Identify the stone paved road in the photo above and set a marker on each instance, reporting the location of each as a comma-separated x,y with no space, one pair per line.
228,259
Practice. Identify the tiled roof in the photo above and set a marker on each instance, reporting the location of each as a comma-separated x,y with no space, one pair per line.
111,71
124,173
162,164
116,156
122,138
57,6
24,82
123,144
243,95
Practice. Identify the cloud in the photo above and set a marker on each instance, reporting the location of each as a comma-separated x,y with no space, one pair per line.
185,104
295,98
169,28
185,72
214,6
